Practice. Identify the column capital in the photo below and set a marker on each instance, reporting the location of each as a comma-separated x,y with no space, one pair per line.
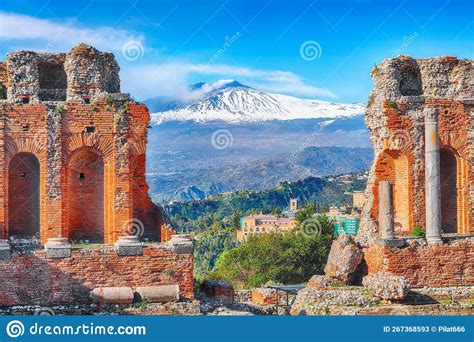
431,113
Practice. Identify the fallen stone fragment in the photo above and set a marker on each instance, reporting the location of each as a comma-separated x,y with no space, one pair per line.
320,282
159,293
344,259
112,295
386,286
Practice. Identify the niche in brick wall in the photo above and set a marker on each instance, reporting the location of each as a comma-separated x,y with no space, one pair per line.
449,191
393,166
85,196
24,196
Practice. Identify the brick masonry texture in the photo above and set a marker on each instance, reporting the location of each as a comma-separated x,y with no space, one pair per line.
72,150
34,280
442,265
403,88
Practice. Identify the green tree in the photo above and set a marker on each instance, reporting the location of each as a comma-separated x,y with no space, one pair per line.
288,258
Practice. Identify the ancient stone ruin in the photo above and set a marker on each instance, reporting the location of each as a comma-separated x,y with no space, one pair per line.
72,148
420,115
72,154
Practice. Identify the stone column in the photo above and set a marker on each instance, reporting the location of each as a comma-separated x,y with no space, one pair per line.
386,223
432,177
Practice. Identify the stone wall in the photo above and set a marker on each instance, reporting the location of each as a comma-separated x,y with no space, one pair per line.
35,280
440,265
404,89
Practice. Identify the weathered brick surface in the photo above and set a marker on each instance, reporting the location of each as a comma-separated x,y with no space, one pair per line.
72,151
33,279
439,265
403,88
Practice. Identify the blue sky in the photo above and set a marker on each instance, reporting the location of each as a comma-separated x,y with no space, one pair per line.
163,46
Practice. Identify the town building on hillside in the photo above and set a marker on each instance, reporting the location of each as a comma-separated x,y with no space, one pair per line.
343,221
261,223
358,199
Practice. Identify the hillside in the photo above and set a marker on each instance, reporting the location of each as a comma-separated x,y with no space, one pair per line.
198,215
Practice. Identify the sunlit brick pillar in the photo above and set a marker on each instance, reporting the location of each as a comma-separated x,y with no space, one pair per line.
432,177
122,223
52,174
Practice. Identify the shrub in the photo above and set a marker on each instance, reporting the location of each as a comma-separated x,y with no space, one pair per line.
418,231
288,258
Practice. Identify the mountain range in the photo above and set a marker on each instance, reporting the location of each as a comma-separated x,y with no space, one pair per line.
231,101
225,136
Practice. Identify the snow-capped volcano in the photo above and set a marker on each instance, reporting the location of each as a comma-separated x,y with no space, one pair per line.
230,101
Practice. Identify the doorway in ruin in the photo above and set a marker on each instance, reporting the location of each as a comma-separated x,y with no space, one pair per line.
449,191
85,196
394,167
24,196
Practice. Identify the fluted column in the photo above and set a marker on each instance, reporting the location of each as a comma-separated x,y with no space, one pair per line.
432,177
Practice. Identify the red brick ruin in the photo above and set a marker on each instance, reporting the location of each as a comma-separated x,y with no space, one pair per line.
72,154
420,115
72,149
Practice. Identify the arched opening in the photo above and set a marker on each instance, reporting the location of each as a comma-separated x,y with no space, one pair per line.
85,192
24,196
448,191
393,167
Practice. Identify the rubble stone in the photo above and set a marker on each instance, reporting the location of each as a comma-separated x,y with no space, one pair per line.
344,258
387,286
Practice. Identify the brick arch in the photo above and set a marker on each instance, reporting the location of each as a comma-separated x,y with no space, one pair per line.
33,147
137,148
454,174
27,145
394,166
84,199
103,147
97,142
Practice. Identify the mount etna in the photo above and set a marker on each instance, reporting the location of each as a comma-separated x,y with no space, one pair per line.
225,136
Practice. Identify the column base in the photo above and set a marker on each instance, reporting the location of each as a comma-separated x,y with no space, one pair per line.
434,241
5,251
58,248
129,245
394,242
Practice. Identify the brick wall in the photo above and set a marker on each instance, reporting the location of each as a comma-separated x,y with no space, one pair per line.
439,265
33,279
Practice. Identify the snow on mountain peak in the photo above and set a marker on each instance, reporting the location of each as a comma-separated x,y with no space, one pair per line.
231,101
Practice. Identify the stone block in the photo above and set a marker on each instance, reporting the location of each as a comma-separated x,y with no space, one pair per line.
129,245
344,259
158,293
180,244
386,286
5,251
391,242
57,248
